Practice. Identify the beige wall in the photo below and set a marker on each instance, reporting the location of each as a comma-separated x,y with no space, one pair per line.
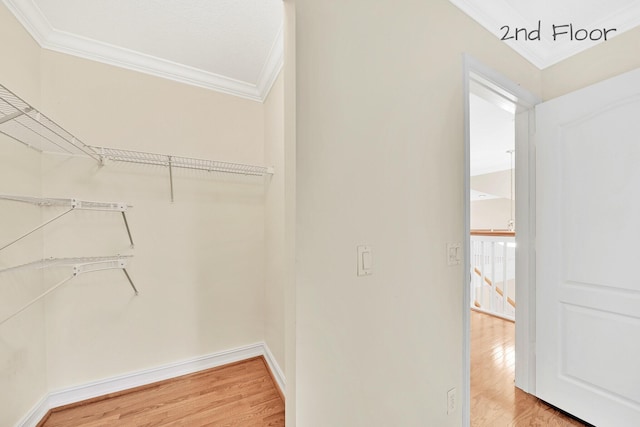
493,214
601,62
199,262
379,162
379,127
290,222
22,339
274,322
495,183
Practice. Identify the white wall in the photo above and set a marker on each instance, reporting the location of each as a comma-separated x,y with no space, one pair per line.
274,322
380,162
22,340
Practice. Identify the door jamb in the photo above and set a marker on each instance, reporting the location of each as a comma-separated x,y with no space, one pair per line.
524,102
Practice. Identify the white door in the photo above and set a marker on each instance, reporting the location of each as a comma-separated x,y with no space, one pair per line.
588,252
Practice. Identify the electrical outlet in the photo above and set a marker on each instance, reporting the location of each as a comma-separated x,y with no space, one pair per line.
451,401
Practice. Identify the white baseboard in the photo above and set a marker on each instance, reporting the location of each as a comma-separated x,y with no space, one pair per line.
36,414
148,376
275,369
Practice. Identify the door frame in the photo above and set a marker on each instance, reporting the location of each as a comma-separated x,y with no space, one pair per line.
479,76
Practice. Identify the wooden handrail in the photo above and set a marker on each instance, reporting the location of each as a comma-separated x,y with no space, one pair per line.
511,302
493,233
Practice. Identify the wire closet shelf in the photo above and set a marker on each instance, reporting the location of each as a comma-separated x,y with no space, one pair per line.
145,158
74,203
77,267
70,205
78,264
25,124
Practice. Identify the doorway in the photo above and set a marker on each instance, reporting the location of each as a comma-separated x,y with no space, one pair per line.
485,85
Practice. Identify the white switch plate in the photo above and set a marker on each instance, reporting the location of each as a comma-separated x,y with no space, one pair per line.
365,261
454,253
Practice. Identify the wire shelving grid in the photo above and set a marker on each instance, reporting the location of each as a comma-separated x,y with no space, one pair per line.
171,162
25,124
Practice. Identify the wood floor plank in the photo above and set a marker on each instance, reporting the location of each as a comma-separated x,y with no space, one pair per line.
244,394
495,400
239,394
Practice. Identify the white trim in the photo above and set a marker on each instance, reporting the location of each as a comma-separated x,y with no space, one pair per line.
525,182
148,376
31,18
272,66
466,248
275,369
36,414
525,215
34,21
124,58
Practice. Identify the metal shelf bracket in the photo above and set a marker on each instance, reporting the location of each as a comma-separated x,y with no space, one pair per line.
78,266
72,204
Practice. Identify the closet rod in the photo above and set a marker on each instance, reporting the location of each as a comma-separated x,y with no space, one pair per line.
73,204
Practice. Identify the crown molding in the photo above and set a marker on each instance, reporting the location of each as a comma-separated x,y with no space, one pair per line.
124,58
34,21
545,53
272,66
31,18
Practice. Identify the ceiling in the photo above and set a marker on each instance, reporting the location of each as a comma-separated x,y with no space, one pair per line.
236,46
232,46
492,132
478,196
590,15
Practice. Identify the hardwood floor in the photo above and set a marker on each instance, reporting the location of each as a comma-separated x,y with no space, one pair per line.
495,401
244,394
241,394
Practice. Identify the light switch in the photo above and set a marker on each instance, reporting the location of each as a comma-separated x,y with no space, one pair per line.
365,261
454,253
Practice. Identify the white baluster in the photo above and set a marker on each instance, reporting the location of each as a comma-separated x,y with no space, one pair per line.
505,286
482,273
493,277
472,279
